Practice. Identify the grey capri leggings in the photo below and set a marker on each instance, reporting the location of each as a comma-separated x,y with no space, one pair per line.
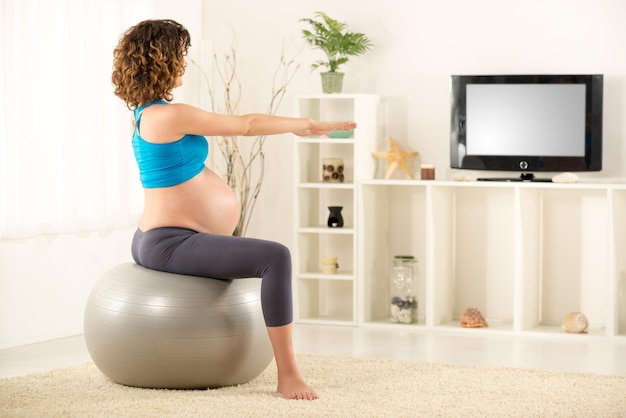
184,251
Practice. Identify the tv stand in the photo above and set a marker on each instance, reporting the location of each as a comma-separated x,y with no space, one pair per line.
524,254
522,177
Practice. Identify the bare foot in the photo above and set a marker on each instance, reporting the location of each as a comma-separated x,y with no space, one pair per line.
290,383
293,387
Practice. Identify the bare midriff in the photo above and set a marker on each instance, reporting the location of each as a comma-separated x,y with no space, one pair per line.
204,203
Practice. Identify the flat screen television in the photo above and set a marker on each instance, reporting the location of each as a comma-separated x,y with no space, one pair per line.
526,123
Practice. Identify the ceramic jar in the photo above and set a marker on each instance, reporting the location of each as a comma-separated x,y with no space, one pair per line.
332,170
335,218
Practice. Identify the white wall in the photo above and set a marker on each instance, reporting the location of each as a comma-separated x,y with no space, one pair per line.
418,44
45,282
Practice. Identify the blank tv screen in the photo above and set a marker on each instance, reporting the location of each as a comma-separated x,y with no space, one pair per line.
526,120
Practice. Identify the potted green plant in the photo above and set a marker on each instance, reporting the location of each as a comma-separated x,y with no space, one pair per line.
338,44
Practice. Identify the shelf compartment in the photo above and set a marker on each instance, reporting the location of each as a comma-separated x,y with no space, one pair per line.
325,300
394,223
483,263
313,247
574,256
311,153
313,209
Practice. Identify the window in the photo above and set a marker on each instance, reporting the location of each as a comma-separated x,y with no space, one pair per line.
66,163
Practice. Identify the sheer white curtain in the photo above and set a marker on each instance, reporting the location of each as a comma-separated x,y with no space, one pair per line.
66,162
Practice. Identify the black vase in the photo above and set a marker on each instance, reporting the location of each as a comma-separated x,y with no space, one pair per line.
335,220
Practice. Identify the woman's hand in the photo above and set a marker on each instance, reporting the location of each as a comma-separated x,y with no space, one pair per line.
317,128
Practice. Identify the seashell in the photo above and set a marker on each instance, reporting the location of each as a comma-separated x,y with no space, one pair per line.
472,318
575,322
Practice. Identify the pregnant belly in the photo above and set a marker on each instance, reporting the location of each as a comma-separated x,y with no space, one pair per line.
205,204
219,214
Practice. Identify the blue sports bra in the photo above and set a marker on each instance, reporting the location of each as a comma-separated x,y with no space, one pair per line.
171,163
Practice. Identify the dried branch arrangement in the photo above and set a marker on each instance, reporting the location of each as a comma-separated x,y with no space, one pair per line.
243,157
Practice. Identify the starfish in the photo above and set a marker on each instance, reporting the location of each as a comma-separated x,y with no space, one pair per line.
396,158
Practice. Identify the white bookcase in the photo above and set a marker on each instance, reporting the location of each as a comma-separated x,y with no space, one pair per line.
330,298
524,254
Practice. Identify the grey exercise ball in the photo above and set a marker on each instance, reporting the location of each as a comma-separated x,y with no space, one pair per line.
151,329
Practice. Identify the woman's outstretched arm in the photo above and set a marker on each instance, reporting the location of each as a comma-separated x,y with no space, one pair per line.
176,120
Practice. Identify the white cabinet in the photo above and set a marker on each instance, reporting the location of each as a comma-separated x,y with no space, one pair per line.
319,297
524,254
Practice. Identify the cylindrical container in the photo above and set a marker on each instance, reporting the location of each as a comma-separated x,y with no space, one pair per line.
403,290
329,265
332,170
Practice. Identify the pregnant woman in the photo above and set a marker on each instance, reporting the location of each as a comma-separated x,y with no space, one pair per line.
190,213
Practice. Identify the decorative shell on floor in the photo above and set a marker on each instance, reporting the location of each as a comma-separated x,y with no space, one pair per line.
575,322
472,318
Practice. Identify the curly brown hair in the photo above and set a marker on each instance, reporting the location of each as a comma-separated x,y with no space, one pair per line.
147,61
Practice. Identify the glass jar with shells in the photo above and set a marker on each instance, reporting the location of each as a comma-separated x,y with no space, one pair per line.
403,291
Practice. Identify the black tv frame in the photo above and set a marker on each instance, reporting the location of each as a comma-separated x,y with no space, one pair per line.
592,160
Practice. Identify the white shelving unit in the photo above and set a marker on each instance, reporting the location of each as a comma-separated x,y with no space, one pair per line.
524,254
330,298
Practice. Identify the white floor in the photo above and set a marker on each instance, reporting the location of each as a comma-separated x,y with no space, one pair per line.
575,353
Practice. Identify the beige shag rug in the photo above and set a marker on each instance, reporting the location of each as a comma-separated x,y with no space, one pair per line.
350,387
